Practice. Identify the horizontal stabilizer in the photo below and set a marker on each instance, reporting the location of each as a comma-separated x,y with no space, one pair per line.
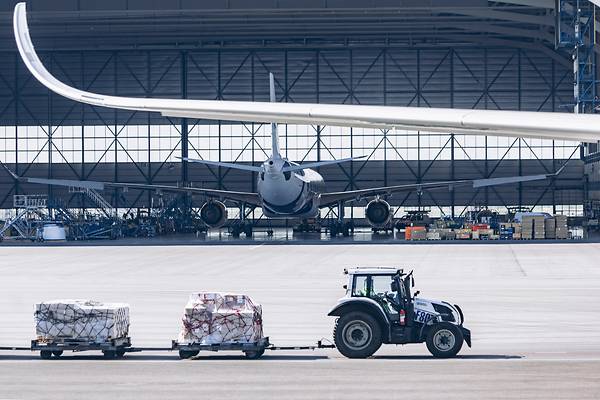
223,164
319,164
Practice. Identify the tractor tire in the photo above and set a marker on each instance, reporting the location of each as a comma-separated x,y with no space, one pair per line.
444,340
46,354
57,353
357,335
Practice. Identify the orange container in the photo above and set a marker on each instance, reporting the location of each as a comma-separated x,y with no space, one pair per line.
410,229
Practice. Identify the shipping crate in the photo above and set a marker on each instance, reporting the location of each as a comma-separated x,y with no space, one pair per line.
433,236
418,235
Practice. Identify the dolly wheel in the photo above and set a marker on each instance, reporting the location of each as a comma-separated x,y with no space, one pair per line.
109,353
46,354
57,353
121,352
185,354
254,355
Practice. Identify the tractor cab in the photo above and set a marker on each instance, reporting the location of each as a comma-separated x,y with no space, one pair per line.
389,287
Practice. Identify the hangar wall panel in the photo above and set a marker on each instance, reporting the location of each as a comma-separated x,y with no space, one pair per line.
50,136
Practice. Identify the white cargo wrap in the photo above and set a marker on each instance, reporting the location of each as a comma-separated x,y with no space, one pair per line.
213,318
82,320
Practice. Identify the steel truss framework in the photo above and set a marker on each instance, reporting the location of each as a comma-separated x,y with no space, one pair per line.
469,77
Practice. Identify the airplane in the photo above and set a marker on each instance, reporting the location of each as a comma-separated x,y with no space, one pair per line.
290,190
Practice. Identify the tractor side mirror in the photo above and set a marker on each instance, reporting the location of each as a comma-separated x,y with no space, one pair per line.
345,287
412,281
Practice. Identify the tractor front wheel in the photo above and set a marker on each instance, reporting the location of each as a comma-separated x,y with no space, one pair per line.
444,340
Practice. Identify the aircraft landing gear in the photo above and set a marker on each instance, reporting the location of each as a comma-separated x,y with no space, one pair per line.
338,226
237,228
242,226
341,228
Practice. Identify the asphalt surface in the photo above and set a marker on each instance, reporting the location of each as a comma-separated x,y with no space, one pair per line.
532,309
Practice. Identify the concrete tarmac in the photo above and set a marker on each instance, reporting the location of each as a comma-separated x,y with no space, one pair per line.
532,309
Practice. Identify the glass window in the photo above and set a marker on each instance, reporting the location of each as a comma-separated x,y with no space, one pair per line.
360,286
381,285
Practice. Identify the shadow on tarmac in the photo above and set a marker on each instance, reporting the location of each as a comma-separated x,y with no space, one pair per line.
158,357
459,357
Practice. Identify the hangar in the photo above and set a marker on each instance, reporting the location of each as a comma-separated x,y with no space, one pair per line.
531,305
513,55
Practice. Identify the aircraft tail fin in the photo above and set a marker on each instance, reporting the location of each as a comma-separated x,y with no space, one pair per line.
274,134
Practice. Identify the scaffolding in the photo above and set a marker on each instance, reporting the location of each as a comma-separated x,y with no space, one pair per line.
24,225
576,31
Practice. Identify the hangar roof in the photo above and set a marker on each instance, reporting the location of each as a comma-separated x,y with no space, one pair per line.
107,24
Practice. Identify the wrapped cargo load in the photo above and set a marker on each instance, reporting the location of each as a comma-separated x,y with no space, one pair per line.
81,320
214,318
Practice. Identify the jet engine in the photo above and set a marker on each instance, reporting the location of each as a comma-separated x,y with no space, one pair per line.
213,214
378,213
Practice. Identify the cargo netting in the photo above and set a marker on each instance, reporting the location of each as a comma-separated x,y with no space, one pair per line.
81,320
212,318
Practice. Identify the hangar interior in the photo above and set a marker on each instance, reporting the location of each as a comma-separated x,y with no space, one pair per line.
507,55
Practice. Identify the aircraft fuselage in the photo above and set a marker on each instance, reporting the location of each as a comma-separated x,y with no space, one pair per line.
289,194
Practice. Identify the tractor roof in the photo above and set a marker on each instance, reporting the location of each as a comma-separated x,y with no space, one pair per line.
373,271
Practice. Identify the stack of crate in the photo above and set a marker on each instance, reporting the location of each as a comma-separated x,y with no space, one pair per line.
527,227
506,231
463,234
539,227
517,231
562,230
419,234
550,228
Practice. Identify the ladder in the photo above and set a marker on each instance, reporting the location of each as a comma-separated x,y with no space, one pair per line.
97,199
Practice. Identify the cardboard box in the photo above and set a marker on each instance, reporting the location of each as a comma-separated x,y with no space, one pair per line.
82,320
214,318
433,236
419,235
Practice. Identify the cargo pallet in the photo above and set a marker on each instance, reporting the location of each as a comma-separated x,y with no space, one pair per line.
114,348
251,350
117,348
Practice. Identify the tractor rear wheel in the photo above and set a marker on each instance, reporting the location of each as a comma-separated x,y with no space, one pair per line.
357,335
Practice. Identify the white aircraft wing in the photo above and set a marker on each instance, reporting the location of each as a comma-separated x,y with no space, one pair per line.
329,199
560,126
244,197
